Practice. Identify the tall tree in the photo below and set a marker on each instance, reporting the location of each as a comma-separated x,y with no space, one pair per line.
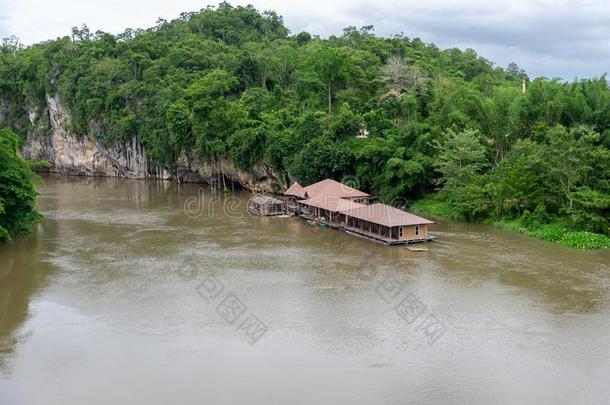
17,193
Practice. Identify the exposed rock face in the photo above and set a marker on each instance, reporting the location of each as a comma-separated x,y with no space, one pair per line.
260,178
72,154
51,140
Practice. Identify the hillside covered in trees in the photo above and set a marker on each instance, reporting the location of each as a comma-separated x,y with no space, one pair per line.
233,82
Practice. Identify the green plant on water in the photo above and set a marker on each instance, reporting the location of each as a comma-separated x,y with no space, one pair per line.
558,233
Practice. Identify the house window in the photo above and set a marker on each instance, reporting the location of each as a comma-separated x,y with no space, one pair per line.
416,230
401,232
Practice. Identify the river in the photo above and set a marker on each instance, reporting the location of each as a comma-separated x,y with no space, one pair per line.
154,293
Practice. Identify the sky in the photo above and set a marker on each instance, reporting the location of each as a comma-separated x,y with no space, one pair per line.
554,38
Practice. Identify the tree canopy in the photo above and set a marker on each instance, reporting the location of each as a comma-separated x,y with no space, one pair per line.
233,82
17,193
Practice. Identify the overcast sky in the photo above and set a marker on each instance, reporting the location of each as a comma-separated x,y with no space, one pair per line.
553,38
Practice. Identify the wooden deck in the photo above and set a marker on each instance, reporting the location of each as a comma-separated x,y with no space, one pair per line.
367,235
258,213
383,239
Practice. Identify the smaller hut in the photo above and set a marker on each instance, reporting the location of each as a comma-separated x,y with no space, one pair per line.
264,205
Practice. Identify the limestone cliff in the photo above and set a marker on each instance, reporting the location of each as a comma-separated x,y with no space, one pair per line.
69,153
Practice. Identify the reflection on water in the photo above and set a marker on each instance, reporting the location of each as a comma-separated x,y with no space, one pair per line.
22,273
101,305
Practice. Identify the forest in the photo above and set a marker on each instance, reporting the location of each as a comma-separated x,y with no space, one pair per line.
448,131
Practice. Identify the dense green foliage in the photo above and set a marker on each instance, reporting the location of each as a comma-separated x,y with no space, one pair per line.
17,193
559,233
231,82
558,229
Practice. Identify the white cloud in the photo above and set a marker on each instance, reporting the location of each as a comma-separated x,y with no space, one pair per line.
550,38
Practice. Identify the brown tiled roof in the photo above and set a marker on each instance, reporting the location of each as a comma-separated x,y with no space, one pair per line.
386,215
296,190
332,188
334,204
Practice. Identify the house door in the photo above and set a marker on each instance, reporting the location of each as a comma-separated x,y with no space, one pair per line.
401,232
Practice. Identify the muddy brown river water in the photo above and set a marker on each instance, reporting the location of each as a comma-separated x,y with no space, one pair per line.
121,297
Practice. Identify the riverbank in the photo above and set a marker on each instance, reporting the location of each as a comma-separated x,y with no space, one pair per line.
556,232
